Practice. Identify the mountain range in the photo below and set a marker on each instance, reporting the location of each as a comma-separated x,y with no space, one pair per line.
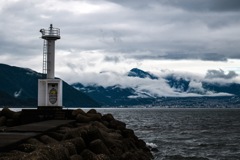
18,88
187,92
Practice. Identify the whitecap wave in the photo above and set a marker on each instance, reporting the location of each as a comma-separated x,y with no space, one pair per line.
152,145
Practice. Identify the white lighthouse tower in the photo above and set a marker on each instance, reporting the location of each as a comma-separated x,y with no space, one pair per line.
49,88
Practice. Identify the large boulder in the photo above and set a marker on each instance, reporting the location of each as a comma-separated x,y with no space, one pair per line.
78,111
88,118
3,120
98,147
79,144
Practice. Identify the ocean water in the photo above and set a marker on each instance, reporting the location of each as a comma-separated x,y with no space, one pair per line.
192,134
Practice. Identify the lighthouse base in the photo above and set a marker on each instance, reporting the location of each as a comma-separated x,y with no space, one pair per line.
50,93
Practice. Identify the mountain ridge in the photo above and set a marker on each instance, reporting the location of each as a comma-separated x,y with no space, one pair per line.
200,92
19,86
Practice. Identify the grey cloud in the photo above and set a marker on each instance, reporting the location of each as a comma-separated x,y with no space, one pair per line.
211,74
112,59
140,4
226,5
191,5
110,37
181,56
213,57
206,5
138,30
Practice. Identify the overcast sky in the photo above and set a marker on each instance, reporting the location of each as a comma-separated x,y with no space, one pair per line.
110,36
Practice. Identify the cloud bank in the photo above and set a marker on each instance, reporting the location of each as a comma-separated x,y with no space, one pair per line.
106,36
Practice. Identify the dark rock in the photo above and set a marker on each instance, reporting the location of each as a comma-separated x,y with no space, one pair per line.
78,111
64,129
27,148
47,140
49,152
70,147
12,155
3,120
102,157
143,155
88,155
17,116
112,134
97,116
105,123
141,144
128,156
34,141
128,133
129,144
56,135
98,147
115,147
33,156
137,155
10,122
79,144
76,157
92,134
73,133
89,118
115,124
60,152
92,111
12,118
108,117
7,113
154,149
101,126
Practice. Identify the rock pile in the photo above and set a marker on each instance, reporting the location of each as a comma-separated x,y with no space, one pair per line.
9,118
91,137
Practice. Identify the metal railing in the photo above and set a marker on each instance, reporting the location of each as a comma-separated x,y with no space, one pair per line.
50,32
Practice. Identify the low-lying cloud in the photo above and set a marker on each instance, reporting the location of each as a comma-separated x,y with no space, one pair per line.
211,74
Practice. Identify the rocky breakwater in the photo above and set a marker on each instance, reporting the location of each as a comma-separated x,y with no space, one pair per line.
91,137
9,118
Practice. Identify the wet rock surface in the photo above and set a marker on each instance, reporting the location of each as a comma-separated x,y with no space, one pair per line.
91,137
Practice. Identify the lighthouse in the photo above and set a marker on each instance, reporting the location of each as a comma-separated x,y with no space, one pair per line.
49,88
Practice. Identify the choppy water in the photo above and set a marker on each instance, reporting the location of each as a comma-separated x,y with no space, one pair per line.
186,133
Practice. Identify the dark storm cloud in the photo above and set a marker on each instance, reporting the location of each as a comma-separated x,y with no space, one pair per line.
184,56
153,29
19,31
203,56
191,5
213,57
205,5
211,74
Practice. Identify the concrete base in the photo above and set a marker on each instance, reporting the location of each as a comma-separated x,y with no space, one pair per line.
50,92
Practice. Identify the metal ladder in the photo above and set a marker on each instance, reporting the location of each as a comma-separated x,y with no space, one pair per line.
44,59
